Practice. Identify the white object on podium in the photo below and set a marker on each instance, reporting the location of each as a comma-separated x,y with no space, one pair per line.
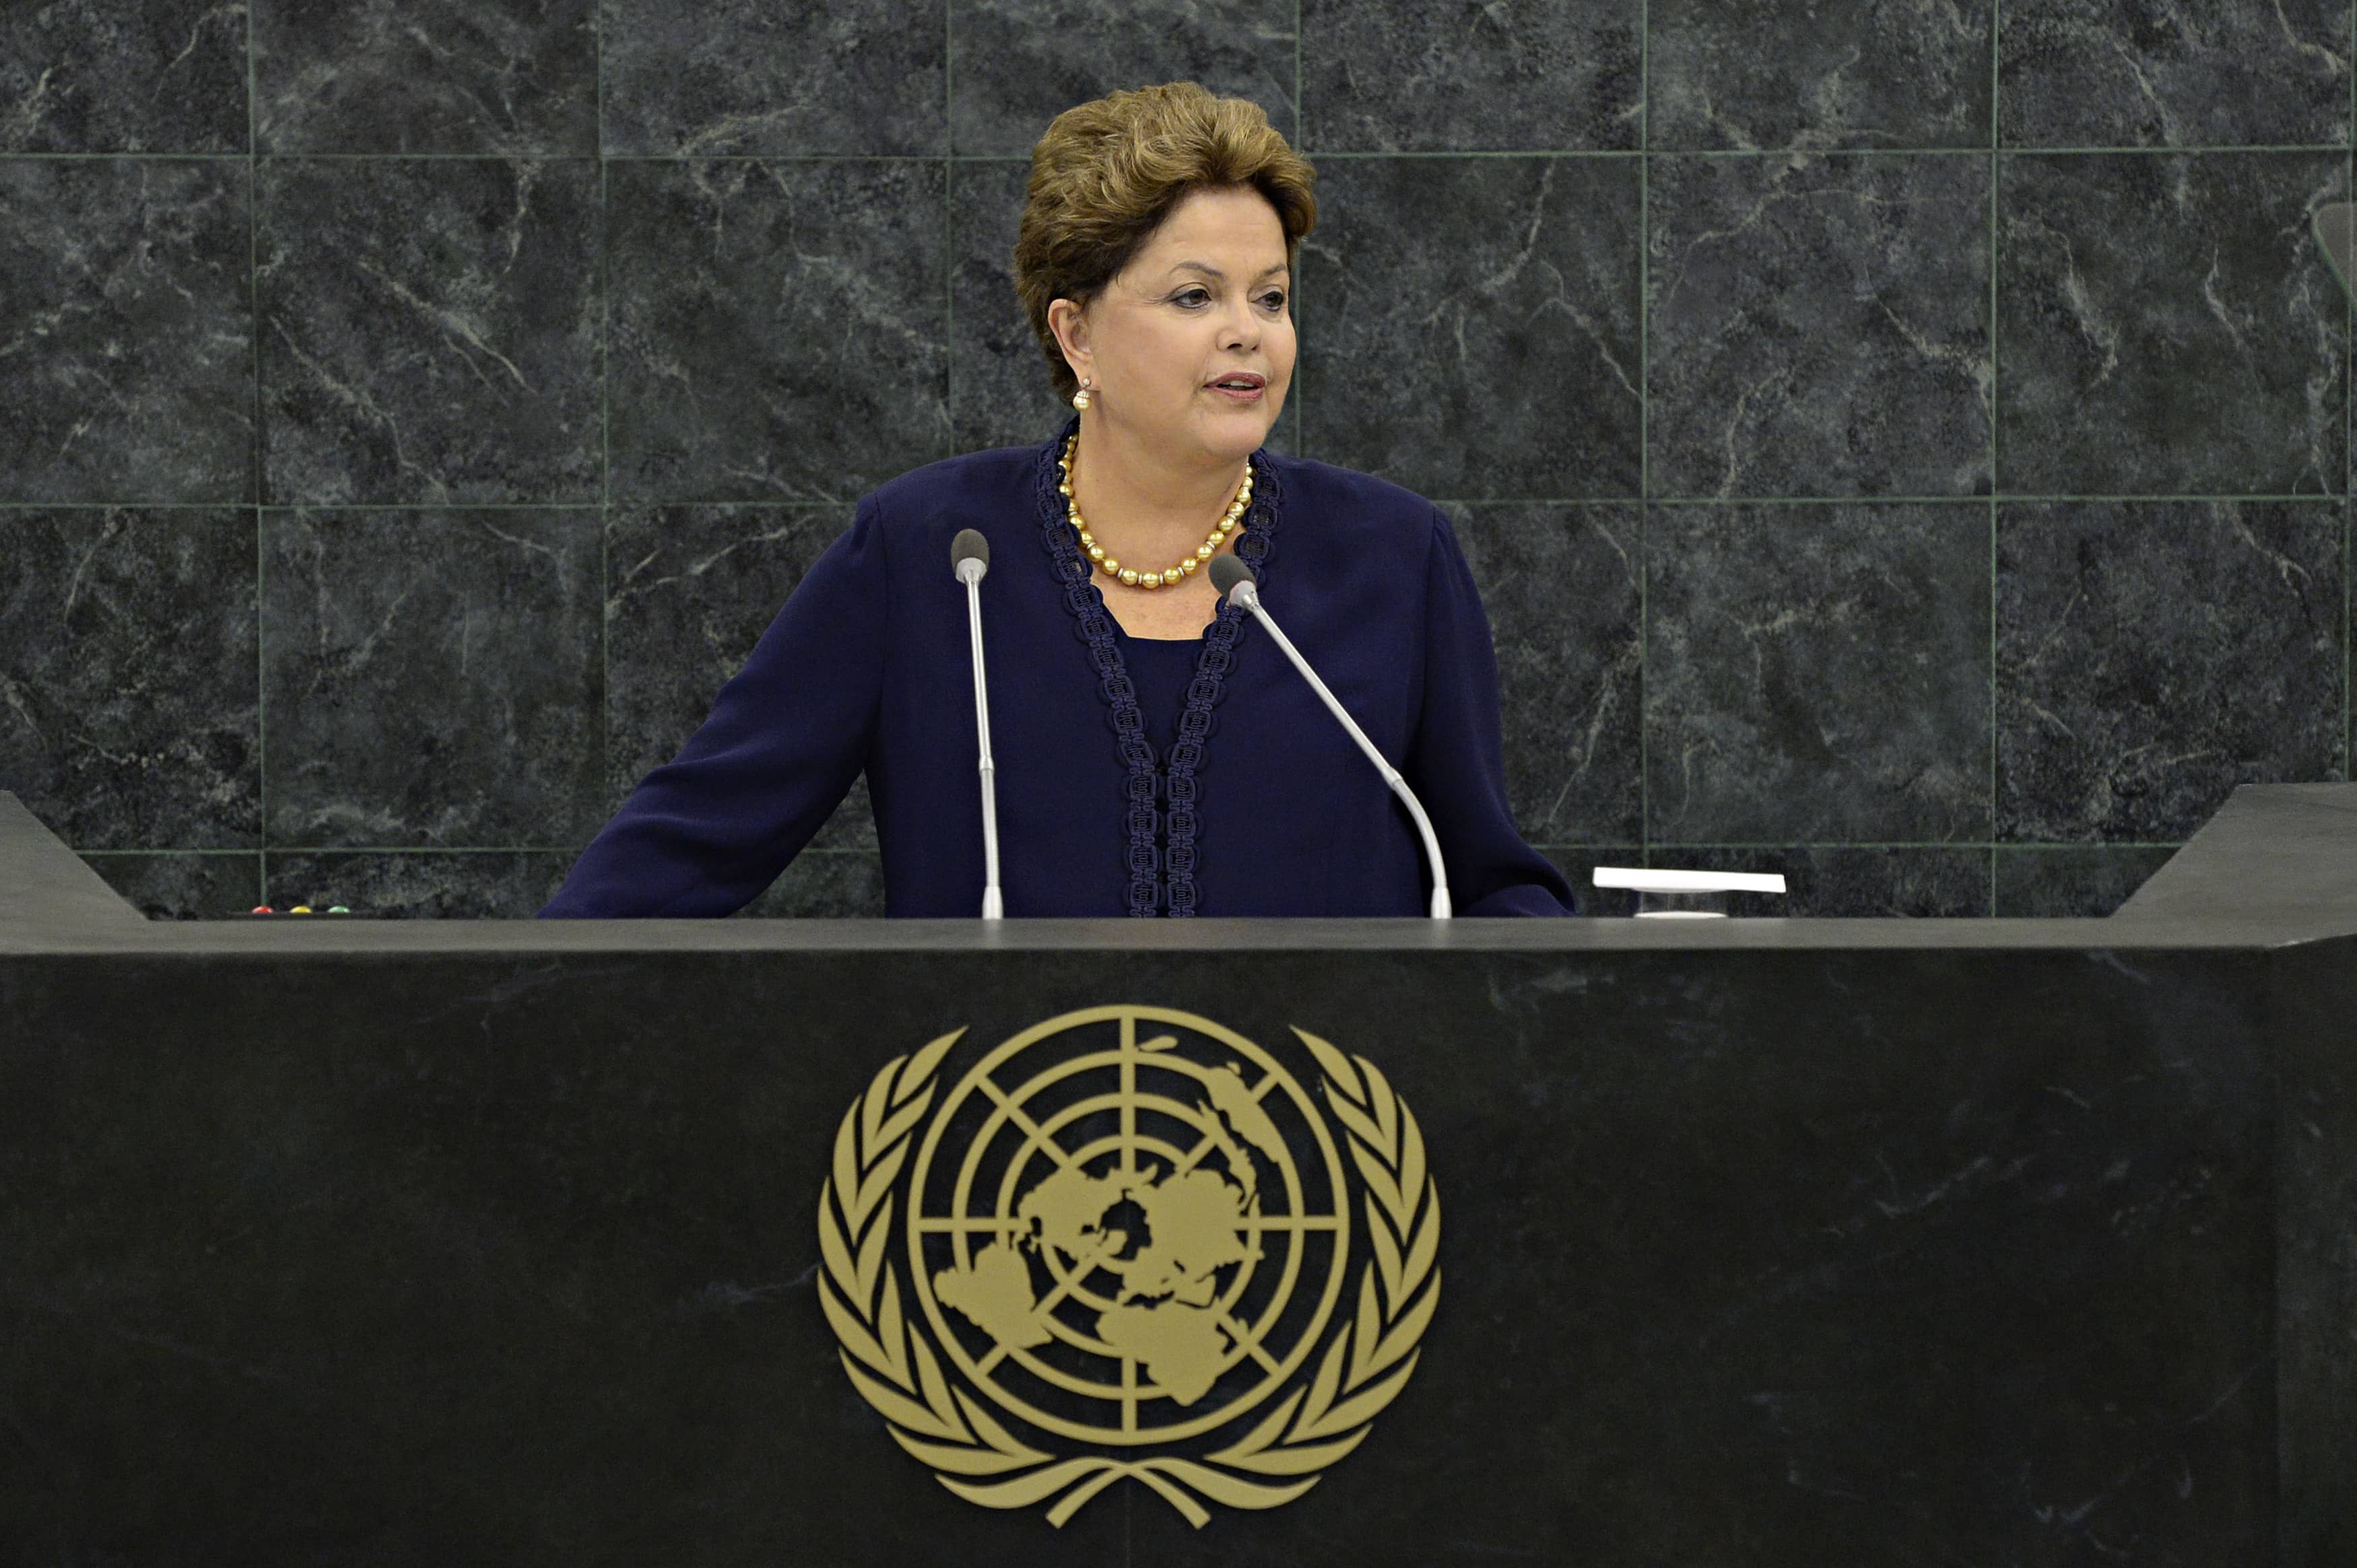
1666,895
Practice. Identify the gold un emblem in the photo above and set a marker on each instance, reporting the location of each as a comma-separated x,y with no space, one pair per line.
1129,1246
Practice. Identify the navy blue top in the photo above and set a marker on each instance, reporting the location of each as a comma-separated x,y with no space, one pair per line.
1140,777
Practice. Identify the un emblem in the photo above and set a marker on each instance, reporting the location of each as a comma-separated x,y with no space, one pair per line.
1127,1245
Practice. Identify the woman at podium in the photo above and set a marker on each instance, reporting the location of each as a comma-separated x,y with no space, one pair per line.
1155,753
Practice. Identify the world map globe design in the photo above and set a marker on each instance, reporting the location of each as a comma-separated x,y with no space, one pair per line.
1128,1226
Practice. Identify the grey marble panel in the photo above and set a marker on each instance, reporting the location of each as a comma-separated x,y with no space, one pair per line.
429,331
2078,881
825,885
423,885
1560,585
2151,657
127,676
1820,326
2106,73
1000,393
184,887
1817,673
1500,366
1016,64
126,331
2167,323
689,591
779,328
517,78
1510,76
1840,73
1578,863
703,78
432,678
162,76
1838,882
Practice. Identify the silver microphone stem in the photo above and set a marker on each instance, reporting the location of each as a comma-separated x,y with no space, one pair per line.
1248,594
993,906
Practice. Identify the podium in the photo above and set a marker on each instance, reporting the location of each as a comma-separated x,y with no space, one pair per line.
1756,1243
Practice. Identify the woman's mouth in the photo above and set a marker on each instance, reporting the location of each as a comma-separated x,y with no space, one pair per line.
1241,386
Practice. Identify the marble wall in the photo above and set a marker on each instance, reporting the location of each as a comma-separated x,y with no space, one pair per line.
1903,445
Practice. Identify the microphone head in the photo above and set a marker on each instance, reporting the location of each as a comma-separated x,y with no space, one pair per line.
969,546
1227,572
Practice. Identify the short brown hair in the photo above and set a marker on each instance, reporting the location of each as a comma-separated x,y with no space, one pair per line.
1108,173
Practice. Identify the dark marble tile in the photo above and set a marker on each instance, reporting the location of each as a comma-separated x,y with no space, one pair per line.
1000,389
432,678
1837,882
126,328
1578,863
127,683
2168,324
1817,673
2067,883
705,78
1413,76
1500,366
426,886
1560,587
825,885
1016,64
429,331
689,592
779,328
1840,73
518,78
2151,657
853,826
184,887
2101,73
1820,326
162,76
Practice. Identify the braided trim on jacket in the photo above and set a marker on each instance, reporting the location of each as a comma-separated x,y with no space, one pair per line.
1095,626
1252,546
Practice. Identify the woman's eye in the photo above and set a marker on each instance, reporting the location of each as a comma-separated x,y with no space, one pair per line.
1196,298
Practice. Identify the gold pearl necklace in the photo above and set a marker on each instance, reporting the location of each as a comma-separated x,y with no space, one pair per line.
1130,576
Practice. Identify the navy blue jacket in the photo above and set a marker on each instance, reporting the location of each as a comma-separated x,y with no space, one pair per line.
1138,778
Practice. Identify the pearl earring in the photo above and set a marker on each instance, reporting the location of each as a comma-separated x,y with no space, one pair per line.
1081,396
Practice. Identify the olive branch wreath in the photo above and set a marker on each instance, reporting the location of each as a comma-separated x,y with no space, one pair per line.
897,1372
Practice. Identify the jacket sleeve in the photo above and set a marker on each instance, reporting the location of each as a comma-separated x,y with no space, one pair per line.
706,832
1456,763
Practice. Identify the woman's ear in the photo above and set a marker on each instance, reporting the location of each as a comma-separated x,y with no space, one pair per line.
1069,323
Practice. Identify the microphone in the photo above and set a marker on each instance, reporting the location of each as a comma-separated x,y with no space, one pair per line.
1234,580
970,558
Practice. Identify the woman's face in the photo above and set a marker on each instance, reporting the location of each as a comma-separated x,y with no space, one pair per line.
1190,348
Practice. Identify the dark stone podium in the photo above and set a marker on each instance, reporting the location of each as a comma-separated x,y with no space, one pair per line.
1766,1242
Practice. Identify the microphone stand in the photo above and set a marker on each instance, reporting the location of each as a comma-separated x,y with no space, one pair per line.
1234,579
970,558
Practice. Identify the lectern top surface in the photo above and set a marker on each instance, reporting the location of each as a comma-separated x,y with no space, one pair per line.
554,937
2276,866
